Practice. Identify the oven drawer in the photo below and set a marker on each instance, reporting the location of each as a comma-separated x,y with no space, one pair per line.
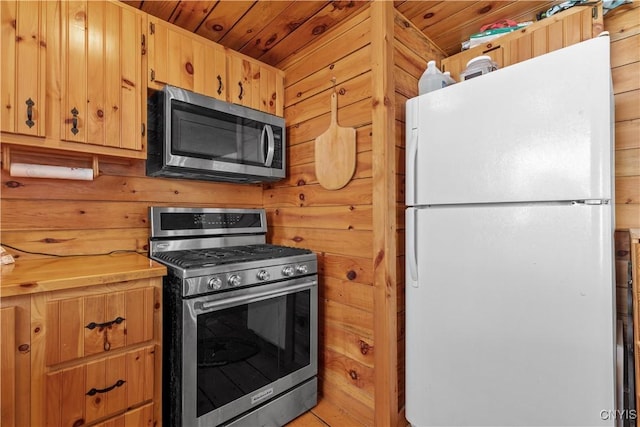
100,388
86,325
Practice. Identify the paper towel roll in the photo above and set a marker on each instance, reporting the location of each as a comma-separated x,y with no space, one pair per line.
46,171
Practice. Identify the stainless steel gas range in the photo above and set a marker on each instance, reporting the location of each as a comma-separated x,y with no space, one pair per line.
240,326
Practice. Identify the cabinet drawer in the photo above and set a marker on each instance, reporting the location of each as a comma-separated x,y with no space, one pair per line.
82,326
139,417
98,389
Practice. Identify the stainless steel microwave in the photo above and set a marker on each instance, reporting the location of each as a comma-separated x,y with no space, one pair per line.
194,136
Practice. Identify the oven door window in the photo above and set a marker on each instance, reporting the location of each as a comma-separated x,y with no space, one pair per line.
245,347
215,135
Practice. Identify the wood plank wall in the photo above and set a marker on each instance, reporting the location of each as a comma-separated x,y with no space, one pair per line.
385,241
64,217
341,226
623,25
337,225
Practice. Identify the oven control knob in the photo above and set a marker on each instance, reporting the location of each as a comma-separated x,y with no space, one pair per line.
234,280
302,269
288,271
215,283
263,275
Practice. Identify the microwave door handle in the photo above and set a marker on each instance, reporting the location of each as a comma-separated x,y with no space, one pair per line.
270,144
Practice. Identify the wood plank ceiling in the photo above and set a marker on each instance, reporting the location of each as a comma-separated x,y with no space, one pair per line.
271,30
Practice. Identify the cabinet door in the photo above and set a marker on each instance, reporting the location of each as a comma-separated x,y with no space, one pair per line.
15,359
271,91
573,28
78,327
254,84
210,70
7,366
243,73
23,67
185,60
85,393
102,74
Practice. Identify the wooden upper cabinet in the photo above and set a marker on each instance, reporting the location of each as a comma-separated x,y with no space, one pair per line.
242,75
180,58
24,43
560,30
254,84
104,95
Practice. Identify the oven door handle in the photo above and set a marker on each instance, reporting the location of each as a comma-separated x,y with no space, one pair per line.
204,306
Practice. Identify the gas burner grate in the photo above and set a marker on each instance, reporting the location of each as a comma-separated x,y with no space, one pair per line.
227,255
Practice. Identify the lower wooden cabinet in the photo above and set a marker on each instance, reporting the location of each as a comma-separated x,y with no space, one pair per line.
140,417
93,391
83,356
14,361
80,326
7,366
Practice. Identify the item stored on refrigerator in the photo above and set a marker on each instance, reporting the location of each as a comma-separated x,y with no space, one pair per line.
432,79
478,66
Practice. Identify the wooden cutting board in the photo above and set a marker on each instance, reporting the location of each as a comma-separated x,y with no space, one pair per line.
335,152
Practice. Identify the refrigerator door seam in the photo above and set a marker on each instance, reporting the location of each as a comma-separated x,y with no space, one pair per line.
527,203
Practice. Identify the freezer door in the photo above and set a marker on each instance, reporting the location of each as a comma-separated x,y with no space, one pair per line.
539,130
510,316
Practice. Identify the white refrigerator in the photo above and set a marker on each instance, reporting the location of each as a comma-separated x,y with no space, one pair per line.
509,246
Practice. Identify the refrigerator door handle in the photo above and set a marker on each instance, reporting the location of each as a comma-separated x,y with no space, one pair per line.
411,167
411,246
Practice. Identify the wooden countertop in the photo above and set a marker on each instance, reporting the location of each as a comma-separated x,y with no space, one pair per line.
53,274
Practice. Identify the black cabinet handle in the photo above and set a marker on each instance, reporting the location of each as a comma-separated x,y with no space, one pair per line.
490,48
95,391
74,122
94,325
30,105
241,90
219,85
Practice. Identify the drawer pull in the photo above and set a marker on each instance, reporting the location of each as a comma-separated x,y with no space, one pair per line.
95,391
94,325
241,91
30,105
